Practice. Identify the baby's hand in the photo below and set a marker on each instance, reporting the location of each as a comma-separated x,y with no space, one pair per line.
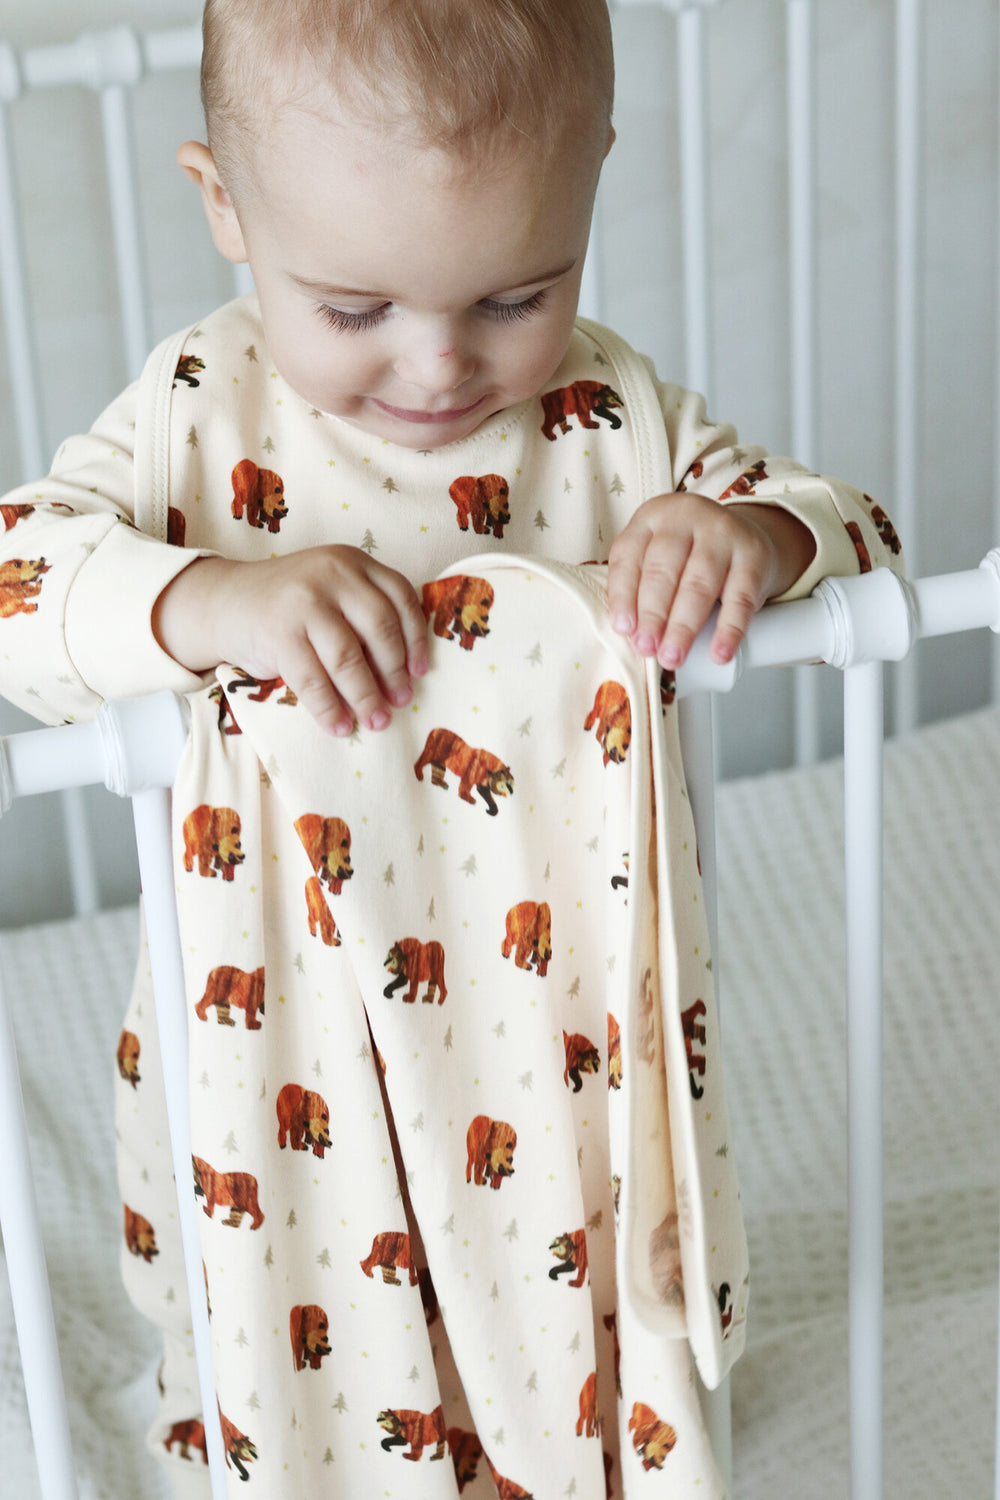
681,554
344,632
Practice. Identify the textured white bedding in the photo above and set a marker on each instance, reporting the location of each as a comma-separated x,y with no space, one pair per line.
780,898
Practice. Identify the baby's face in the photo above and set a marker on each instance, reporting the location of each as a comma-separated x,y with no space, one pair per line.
411,299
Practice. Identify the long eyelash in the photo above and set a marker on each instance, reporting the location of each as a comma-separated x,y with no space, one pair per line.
513,312
350,322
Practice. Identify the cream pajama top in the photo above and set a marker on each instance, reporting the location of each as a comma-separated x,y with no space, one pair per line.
459,1126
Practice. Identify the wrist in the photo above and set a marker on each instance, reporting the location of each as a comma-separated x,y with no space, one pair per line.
793,544
184,614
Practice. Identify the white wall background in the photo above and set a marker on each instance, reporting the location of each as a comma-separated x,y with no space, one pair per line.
59,154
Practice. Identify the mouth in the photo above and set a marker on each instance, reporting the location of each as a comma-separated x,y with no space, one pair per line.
453,414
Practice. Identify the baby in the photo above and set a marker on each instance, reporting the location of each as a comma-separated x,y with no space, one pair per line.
412,183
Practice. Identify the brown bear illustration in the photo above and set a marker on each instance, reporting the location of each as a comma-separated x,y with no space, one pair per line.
459,604
186,366
581,1057
140,1236
227,987
128,1058
611,1324
886,530
484,500
586,1422
327,841
694,472
621,880
613,717
188,1435
747,481
260,493
390,1251
860,547
490,1146
506,1488
212,836
420,1429
303,1120
529,927
694,1031
308,1327
20,584
651,1438
466,1450
216,694
240,1450
319,914
665,1261
11,514
234,1190
582,399
176,526
614,1053
475,769
412,962
570,1250
264,688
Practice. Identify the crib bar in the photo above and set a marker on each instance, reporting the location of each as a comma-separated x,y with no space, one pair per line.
25,1253
694,201
863,732
995,655
909,210
175,47
22,360
123,187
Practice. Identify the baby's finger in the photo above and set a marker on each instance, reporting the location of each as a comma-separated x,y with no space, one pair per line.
696,595
412,621
624,572
342,653
309,680
742,596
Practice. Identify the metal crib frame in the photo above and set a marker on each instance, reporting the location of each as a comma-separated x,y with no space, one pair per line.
133,747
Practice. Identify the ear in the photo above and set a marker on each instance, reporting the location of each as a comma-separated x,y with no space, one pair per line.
199,164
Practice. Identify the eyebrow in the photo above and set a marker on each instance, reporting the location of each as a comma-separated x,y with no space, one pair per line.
326,289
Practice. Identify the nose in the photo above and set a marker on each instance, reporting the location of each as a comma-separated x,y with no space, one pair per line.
436,357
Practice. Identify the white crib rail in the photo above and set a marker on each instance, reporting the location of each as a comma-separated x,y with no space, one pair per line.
134,747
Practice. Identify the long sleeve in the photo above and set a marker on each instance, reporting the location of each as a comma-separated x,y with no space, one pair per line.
78,581
852,532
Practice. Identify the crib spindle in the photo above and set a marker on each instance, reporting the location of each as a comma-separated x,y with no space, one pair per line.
695,201
22,358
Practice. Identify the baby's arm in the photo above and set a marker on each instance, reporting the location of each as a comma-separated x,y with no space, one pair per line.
741,527
343,631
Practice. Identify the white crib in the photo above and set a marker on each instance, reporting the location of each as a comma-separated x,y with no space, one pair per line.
855,627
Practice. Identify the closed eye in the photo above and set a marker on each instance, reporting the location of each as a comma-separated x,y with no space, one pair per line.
370,317
513,312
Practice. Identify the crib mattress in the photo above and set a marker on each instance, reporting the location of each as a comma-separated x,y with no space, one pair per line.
781,898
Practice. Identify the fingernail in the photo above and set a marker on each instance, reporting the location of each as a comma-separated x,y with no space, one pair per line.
379,719
343,728
401,696
644,644
670,655
623,623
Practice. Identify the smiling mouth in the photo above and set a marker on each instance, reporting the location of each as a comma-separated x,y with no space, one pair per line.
428,416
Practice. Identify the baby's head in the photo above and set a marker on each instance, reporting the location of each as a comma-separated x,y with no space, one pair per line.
412,182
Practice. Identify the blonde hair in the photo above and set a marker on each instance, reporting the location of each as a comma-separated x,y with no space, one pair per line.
465,75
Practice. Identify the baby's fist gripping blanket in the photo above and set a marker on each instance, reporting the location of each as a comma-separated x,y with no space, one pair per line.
459,1129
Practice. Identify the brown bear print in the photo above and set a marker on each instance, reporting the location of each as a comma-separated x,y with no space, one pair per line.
20,585
11,514
475,769
747,481
614,1053
613,717
417,1428
212,836
413,962
187,1435
490,1145
860,547
651,1438
176,526
581,1057
327,841
886,530
128,1058
621,880
264,688
140,1236
694,472
529,933
459,604
319,914
236,1191
694,1031
260,493
186,366
309,1329
216,694
228,987
611,1324
239,1449
507,1489
391,1252
570,1250
583,399
484,500
466,1450
586,1422
303,1120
